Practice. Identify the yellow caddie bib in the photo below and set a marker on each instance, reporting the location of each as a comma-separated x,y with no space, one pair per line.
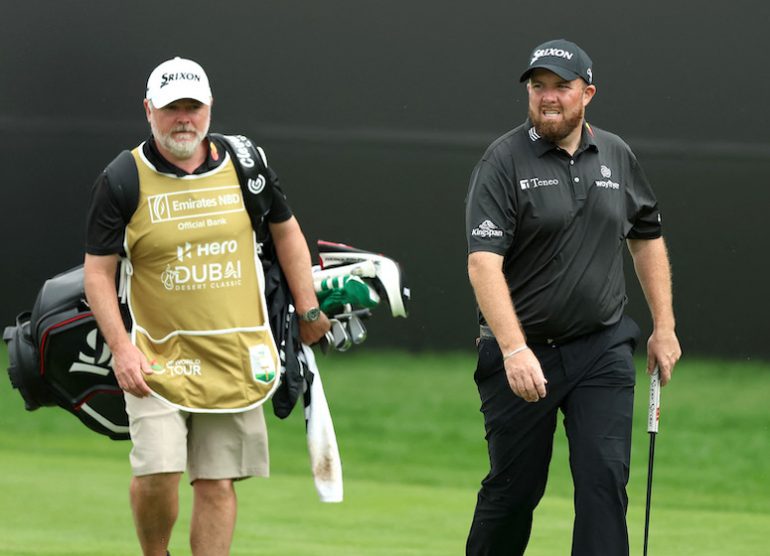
196,291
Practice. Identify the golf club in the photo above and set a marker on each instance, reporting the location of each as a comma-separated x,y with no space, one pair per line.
653,420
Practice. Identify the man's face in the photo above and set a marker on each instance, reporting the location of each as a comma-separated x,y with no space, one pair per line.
179,127
557,106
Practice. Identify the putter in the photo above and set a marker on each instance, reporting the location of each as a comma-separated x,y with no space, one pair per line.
653,420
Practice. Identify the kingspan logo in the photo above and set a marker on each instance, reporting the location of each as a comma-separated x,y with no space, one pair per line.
555,52
487,229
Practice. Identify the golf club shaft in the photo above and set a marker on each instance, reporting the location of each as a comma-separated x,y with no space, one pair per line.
649,491
653,420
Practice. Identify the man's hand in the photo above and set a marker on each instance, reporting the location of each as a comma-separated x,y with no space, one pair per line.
663,351
312,332
130,365
525,376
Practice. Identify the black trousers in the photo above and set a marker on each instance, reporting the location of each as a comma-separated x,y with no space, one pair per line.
591,380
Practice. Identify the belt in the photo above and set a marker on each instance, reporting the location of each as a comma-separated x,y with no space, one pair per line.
485,333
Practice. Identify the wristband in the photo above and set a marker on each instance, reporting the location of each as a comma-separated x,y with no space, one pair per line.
515,351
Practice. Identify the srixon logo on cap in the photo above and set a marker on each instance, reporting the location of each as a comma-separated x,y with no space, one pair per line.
179,76
557,52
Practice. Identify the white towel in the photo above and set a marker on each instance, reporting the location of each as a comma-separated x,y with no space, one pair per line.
321,440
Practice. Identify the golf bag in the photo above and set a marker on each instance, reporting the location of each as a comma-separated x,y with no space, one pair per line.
57,357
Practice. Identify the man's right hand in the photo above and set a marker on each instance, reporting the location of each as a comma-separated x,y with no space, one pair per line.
525,377
130,365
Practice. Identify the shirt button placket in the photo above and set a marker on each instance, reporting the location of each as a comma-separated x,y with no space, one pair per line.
578,187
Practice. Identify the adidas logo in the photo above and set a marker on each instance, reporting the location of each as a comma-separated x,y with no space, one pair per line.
487,229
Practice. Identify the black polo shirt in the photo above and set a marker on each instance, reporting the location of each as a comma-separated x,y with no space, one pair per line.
105,225
560,222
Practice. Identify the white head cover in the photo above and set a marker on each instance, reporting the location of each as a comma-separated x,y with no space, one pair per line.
176,79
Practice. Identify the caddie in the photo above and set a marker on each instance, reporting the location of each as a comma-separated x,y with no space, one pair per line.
199,358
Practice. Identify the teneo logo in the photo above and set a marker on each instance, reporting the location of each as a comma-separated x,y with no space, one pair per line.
188,250
487,229
98,358
256,186
533,135
192,204
201,276
556,52
181,367
533,183
242,150
167,78
606,172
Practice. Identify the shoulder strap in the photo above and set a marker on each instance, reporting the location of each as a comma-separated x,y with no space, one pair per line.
123,178
251,165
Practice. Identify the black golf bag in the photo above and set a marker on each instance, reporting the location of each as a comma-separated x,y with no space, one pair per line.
57,357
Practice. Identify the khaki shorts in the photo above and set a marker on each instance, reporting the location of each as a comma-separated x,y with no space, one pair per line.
207,445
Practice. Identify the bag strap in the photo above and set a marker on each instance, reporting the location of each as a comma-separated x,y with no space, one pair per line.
123,178
251,166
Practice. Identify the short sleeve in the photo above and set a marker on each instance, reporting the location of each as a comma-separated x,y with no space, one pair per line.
490,215
105,225
643,212
280,211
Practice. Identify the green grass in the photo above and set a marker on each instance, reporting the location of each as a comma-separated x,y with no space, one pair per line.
411,439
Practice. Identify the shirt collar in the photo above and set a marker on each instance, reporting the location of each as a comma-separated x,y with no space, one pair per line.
540,146
214,158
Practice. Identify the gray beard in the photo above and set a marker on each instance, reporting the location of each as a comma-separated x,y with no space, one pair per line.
182,150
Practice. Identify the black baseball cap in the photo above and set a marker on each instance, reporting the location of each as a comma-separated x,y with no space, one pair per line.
564,58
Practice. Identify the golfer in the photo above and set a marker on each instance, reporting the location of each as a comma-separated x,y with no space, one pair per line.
549,209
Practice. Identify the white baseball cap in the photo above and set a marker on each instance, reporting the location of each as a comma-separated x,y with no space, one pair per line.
178,78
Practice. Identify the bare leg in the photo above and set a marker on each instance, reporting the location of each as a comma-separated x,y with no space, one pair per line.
155,505
213,517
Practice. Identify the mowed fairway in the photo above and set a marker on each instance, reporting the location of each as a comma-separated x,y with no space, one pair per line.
413,453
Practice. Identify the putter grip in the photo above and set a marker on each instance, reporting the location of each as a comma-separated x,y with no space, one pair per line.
653,410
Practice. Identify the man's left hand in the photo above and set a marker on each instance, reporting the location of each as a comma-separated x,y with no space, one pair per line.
312,332
663,351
